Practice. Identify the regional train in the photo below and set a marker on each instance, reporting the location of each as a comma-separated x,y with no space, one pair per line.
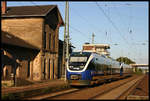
87,68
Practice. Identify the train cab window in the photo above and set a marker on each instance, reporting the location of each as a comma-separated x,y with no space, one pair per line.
77,63
78,59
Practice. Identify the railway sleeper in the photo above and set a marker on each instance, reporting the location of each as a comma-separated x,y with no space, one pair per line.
100,81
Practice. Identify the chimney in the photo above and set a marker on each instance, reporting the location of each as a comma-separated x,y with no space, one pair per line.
4,7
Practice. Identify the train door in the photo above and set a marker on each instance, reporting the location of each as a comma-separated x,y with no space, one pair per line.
121,70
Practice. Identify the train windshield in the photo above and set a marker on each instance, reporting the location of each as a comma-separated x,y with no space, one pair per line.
77,61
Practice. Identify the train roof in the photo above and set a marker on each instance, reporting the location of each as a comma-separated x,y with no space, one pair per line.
108,60
80,54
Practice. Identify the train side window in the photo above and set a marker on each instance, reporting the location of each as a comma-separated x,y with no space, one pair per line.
100,67
96,66
91,65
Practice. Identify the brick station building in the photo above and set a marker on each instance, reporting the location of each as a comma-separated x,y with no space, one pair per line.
30,42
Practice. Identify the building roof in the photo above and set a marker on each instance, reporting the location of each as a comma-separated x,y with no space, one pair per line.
30,11
19,11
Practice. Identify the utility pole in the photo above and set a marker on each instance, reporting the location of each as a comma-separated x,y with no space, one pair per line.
66,40
93,38
64,44
67,50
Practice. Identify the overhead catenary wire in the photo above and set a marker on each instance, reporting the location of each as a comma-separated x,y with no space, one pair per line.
107,33
124,4
110,20
86,21
129,30
75,29
91,25
113,24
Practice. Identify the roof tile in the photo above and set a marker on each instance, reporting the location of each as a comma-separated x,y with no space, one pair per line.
20,11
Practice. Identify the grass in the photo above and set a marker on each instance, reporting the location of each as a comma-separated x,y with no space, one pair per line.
19,82
138,73
7,83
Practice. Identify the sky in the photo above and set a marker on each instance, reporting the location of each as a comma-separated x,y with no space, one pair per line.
122,25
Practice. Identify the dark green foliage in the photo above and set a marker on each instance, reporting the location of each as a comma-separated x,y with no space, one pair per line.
125,60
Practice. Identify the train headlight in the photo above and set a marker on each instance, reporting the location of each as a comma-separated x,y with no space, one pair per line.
71,66
81,66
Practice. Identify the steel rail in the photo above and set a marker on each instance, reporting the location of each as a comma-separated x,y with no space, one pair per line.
115,92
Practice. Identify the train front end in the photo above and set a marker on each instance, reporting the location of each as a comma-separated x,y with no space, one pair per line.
77,74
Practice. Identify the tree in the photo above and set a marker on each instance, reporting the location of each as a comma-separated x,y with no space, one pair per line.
125,60
140,70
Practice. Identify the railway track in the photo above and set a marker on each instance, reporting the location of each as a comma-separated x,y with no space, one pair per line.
116,92
111,90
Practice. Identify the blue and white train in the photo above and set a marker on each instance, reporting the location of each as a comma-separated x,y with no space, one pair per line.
86,68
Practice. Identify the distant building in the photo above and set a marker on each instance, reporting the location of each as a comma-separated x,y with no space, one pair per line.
98,48
30,41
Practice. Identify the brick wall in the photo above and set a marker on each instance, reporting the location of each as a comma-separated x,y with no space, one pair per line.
27,29
37,67
43,64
